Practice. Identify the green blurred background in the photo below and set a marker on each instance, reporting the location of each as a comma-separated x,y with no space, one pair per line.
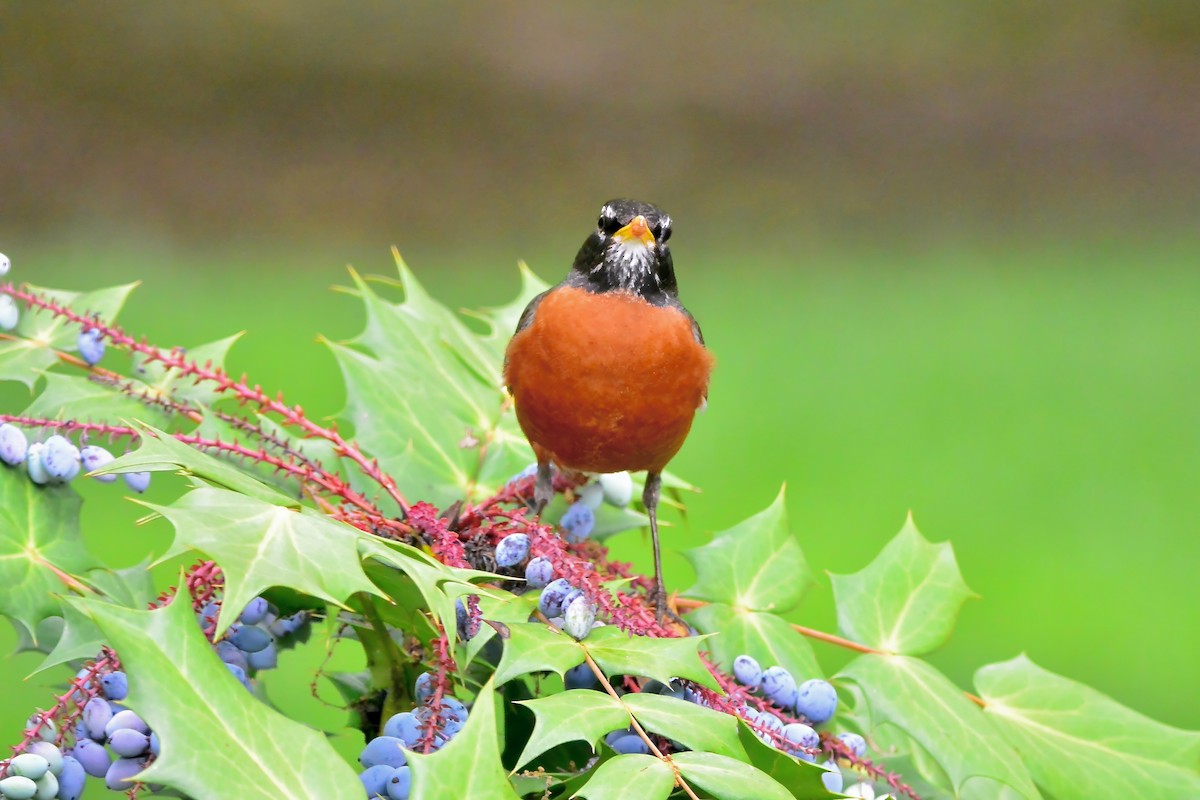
946,255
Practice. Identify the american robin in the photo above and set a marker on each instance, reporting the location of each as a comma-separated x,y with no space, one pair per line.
607,369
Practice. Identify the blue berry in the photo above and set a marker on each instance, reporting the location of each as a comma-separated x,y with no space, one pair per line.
91,346
512,550
618,488
816,700
29,765
404,726
138,481
578,617
115,685
17,787
400,784
580,677
374,779
119,777
383,750
53,756
13,444
154,744
779,686
71,779
92,756
286,626
577,522
770,721
832,778
466,622
239,673
551,601
10,315
230,653
423,689
453,708
254,611
539,572
61,458
803,738
97,713
630,743
248,638
856,744
94,458
34,464
747,671
267,658
129,743
125,719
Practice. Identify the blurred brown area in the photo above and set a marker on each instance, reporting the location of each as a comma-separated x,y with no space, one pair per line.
318,121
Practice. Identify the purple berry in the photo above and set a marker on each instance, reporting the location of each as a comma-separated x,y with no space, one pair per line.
577,522
119,777
512,550
374,779
71,779
125,719
96,716
816,700
138,481
91,346
129,743
539,572
92,756
747,671
13,444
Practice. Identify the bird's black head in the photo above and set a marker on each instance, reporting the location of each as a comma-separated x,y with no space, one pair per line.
628,251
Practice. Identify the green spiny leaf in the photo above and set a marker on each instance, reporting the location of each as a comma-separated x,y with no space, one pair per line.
727,778
75,397
915,697
503,607
757,564
906,600
217,740
260,545
39,541
576,714
160,451
694,727
425,392
1078,742
619,653
766,637
533,647
631,775
469,766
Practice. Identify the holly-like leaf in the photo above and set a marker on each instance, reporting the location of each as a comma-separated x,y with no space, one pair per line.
756,565
906,600
619,653
576,714
161,381
217,740
802,778
160,451
694,727
469,766
727,778
39,334
39,544
1078,742
503,607
631,775
915,697
424,391
259,545
533,647
769,639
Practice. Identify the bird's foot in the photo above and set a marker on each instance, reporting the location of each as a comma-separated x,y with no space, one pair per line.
665,610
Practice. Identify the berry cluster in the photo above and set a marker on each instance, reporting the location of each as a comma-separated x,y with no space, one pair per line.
251,644
57,459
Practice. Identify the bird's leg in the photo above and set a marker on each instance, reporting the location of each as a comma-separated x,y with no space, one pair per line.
543,487
650,501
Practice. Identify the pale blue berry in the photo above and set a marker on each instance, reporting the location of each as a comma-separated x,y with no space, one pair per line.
91,346
10,315
816,700
856,744
138,481
512,550
13,444
802,738
34,464
618,488
578,617
779,686
61,458
577,522
747,671
539,572
95,457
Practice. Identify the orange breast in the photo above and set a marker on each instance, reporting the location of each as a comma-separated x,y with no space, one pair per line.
606,382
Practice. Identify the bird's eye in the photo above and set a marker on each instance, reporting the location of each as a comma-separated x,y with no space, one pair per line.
662,229
608,222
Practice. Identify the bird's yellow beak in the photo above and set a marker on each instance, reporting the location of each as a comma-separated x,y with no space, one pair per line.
638,230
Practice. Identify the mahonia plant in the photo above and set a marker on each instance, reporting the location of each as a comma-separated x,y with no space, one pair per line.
506,654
